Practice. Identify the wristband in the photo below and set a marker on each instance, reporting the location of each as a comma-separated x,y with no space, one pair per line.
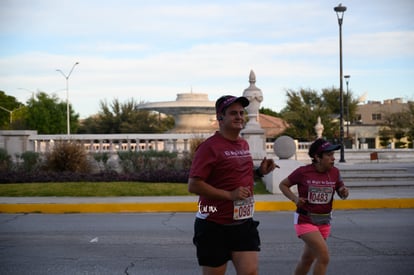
258,173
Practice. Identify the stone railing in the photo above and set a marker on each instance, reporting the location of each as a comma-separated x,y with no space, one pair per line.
179,143
17,142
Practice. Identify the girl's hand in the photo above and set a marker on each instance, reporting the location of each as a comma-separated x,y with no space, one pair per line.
300,201
343,192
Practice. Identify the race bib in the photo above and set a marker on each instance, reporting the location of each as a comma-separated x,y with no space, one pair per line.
320,194
243,209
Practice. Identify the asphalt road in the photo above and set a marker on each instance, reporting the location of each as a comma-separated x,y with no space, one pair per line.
369,242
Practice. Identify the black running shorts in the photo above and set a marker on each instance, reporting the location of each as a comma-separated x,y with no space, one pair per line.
216,242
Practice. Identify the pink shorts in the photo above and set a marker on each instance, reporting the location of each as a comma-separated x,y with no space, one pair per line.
304,228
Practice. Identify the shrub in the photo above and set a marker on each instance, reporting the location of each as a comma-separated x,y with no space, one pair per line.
102,160
385,136
5,161
69,162
31,161
147,161
67,156
194,143
188,157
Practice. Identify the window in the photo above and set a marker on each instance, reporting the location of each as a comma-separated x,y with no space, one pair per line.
376,116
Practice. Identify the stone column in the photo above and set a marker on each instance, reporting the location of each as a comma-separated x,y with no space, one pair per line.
16,142
255,97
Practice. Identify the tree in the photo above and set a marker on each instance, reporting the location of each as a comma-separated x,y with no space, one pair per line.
400,124
302,110
125,118
268,112
385,136
331,97
305,106
410,132
47,115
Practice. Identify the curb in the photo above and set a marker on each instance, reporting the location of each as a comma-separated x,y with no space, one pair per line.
261,206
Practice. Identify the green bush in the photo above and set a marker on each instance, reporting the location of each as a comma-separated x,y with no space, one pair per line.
5,161
67,157
385,136
102,160
131,161
31,161
187,158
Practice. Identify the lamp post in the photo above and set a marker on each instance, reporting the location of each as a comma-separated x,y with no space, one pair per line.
67,96
340,14
347,77
10,112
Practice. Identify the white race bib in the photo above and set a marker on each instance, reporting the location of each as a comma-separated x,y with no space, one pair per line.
320,194
243,209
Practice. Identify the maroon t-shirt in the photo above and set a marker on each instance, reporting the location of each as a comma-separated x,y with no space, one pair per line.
224,164
317,187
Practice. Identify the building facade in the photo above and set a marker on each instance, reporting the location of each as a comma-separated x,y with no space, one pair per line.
375,112
363,133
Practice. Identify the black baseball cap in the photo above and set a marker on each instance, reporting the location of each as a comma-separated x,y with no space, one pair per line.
225,101
320,146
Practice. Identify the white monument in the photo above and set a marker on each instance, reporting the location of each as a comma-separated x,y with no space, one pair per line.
253,133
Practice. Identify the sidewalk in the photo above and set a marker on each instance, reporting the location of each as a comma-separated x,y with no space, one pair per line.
359,198
382,194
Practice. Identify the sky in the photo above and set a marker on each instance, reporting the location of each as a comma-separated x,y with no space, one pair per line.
150,51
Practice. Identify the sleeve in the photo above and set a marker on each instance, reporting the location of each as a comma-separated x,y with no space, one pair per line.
202,163
296,176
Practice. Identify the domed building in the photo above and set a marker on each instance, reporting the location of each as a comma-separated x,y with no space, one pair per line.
195,113
192,112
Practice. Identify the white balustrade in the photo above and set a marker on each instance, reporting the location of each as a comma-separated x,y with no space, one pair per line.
18,142
119,142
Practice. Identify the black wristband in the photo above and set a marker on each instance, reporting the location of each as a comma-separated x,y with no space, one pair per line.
259,173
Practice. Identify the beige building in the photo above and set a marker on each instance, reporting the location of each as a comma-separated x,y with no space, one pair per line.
374,112
370,118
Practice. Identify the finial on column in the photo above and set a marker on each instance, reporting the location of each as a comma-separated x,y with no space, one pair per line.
255,97
319,128
252,78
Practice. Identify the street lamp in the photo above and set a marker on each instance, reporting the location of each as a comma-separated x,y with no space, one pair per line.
340,14
10,112
347,77
67,96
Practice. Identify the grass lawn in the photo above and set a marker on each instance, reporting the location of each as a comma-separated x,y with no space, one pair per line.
101,189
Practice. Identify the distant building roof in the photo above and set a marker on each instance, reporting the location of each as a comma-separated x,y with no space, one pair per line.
273,126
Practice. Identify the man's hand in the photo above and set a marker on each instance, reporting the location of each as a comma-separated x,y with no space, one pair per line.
240,193
267,166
